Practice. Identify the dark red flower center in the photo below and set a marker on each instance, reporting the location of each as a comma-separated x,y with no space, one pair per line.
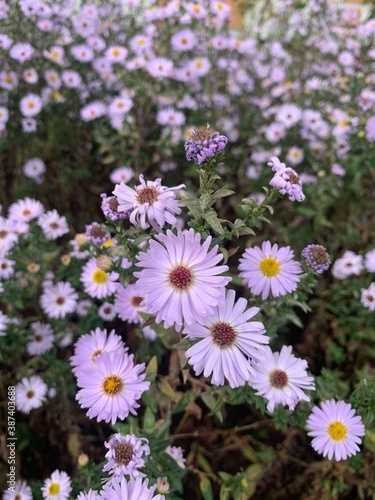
136,301
180,277
278,379
123,453
223,334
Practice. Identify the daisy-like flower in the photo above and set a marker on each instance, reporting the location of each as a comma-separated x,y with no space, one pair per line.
57,487
159,67
25,210
53,225
183,40
335,429
8,235
30,105
34,168
286,180
282,379
150,200
96,235
124,455
41,340
93,344
6,268
109,206
317,258
128,303
121,174
347,265
59,300
132,489
269,270
4,320
30,393
98,283
21,491
180,278
368,297
110,389
370,261
177,453
107,311
228,342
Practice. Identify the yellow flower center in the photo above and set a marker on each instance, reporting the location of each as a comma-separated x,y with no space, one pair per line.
337,431
196,9
54,489
99,277
270,267
30,104
112,385
108,243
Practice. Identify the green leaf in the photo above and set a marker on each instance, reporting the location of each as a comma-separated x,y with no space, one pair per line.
206,488
149,420
213,220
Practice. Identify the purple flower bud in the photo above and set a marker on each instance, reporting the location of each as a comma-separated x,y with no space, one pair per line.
203,144
317,258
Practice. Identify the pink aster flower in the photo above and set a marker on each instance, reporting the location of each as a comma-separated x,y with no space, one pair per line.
124,455
30,105
30,393
21,491
93,110
107,311
53,225
21,52
368,297
34,168
132,489
335,429
370,261
121,174
93,344
6,268
57,487
41,340
180,278
183,40
347,265
149,200
59,300
177,453
286,180
98,283
228,341
128,304
160,67
88,495
111,388
282,379
8,235
269,269
25,210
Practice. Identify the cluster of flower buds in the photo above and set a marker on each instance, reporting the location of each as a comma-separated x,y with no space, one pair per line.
286,180
204,143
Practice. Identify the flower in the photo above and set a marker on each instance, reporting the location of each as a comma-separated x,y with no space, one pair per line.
335,429
21,491
132,489
368,297
177,453
281,378
110,205
8,235
149,200
204,143
96,235
30,393
111,388
121,174
53,225
30,105
4,319
57,487
370,261
93,344
25,210
128,303
41,340
6,268
269,269
347,265
124,455
317,258
88,495
286,180
180,279
59,300
107,311
229,339
97,283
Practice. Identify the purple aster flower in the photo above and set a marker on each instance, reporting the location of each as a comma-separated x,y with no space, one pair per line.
368,297
59,300
30,105
88,495
286,180
30,393
150,200
269,269
317,258
177,453
124,455
204,143
20,491
133,489
370,129
97,283
96,235
110,208
369,261
93,344
335,429
110,389
282,378
57,487
128,303
228,341
347,265
180,279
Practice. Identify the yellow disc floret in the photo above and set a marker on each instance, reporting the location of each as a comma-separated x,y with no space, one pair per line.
270,267
337,431
99,277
